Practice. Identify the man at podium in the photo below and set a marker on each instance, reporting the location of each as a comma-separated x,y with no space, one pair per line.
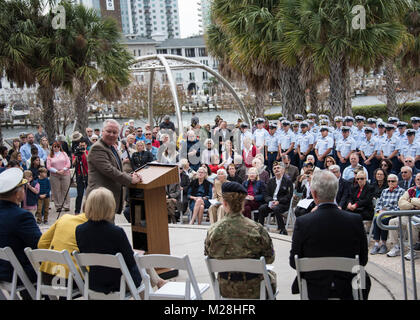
105,165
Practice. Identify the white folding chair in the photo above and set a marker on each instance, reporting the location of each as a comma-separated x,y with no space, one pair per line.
240,265
116,261
290,215
12,288
330,264
188,290
37,256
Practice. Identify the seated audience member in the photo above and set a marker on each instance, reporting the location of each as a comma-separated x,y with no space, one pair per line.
263,174
215,164
386,165
379,182
142,156
208,152
236,237
407,180
305,188
232,176
361,197
100,235
388,201
409,201
353,182
18,227
248,152
279,192
344,187
290,170
169,154
348,172
210,175
256,191
184,184
346,238
329,161
409,162
185,166
199,193
173,195
216,212
241,169
310,161
151,148
228,154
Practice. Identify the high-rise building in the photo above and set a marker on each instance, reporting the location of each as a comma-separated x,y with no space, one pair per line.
204,15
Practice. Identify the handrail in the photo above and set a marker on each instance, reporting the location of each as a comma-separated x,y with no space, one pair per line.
409,214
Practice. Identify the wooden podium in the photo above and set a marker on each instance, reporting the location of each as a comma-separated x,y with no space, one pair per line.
149,213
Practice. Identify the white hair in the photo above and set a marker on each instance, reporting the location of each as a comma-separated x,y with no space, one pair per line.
237,159
393,176
109,121
325,185
222,171
407,168
334,167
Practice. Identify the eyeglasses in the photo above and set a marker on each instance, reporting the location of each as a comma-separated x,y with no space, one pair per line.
393,181
408,161
404,171
329,161
384,165
360,179
56,146
148,134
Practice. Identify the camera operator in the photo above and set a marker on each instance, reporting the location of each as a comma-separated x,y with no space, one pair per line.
81,166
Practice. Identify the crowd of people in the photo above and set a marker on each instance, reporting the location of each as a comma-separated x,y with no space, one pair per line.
376,166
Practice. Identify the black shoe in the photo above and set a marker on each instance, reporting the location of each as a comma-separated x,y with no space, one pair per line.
417,246
283,232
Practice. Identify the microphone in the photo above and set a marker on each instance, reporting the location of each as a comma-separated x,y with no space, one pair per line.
128,154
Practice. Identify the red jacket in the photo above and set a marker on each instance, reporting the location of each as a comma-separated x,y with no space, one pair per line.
251,156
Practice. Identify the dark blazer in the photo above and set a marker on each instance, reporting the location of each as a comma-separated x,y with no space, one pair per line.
284,194
106,238
377,191
343,193
141,158
412,183
18,230
364,203
106,171
258,188
292,172
328,232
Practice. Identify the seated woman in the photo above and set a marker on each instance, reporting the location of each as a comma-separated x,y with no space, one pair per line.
216,212
379,182
208,151
248,152
361,197
263,174
232,176
329,161
256,191
304,187
228,154
215,164
100,235
199,193
142,156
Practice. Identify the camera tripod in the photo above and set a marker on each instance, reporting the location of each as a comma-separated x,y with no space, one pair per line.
79,165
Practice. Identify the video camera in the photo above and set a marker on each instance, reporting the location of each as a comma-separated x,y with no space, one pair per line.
79,151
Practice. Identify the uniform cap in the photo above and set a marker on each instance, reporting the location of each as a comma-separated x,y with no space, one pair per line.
282,118
345,128
411,131
309,121
401,124
10,179
295,124
368,129
338,119
259,120
415,119
381,124
233,187
244,125
389,126
360,118
323,116
272,126
323,128
285,123
371,120
393,119
348,118
324,121
311,115
298,117
304,124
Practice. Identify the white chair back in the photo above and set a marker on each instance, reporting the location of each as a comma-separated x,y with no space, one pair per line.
12,288
188,290
38,256
329,264
85,260
240,265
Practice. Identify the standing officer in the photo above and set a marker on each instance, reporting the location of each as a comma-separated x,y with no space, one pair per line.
237,237
305,144
389,147
345,148
272,147
260,135
323,147
287,141
368,152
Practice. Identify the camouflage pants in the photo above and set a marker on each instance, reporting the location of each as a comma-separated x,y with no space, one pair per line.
248,289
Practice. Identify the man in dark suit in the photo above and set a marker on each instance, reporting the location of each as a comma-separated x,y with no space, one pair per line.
18,228
407,180
328,232
343,193
105,165
290,170
278,194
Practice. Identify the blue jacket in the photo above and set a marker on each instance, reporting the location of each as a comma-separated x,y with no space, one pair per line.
44,187
259,189
18,230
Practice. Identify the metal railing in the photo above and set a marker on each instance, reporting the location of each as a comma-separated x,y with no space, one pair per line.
400,214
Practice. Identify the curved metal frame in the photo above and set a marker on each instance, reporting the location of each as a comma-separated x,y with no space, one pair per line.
162,58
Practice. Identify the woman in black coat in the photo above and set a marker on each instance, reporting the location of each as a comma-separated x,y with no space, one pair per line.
379,182
142,156
361,197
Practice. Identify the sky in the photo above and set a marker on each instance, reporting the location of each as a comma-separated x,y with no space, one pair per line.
188,17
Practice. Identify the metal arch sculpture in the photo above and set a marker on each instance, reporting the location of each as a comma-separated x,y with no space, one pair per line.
163,65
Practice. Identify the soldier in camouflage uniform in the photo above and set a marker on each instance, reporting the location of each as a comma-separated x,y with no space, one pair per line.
237,237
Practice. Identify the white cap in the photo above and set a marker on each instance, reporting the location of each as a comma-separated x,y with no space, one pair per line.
10,179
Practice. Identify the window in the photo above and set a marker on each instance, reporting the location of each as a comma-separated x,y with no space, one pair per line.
139,52
162,51
192,76
178,77
205,76
189,52
202,52
134,52
176,51
164,77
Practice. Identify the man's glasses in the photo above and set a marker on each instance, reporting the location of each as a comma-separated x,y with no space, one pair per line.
393,181
148,134
360,179
404,171
408,161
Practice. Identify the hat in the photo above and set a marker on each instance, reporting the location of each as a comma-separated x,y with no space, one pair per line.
259,120
323,128
411,131
415,119
147,141
285,123
360,118
76,136
389,126
307,163
371,120
311,115
348,118
393,119
11,179
272,126
368,129
244,125
338,119
345,128
401,124
304,124
298,117
324,121
233,187
310,122
166,117
94,136
295,124
23,135
381,124
323,116
282,118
